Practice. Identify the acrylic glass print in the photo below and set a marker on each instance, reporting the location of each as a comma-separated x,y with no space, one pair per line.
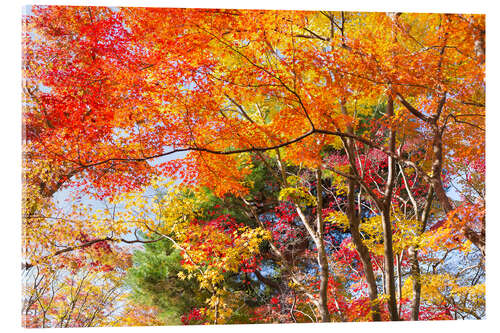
221,166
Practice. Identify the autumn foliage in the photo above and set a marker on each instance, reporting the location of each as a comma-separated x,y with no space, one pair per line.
211,166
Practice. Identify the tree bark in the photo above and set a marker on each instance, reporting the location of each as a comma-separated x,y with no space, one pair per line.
354,222
390,285
322,258
478,239
364,255
416,283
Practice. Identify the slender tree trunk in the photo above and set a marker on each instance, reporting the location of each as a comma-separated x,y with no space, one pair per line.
322,258
318,238
478,239
437,169
364,255
387,224
390,285
413,250
400,280
416,283
323,298
354,222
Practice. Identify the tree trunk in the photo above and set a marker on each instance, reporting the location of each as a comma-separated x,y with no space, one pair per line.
390,285
354,222
322,258
437,169
416,284
400,281
318,238
323,298
413,251
364,255
478,239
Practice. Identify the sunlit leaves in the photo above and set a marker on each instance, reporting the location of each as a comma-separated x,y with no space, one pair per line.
157,111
